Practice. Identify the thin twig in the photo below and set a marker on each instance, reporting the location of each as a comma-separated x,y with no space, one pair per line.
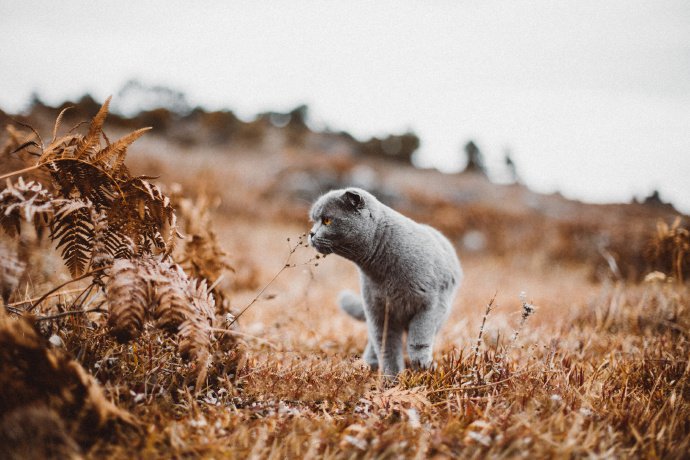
479,387
86,293
14,173
382,354
489,307
216,283
13,310
527,311
47,294
55,294
70,312
244,334
285,266
257,296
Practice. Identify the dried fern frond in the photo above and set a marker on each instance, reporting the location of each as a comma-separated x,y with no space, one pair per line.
137,214
79,179
196,333
24,200
172,303
58,122
88,149
144,288
72,228
202,256
127,296
88,145
142,213
195,339
202,299
104,246
112,157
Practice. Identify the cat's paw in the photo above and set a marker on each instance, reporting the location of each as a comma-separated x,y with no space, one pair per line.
423,365
374,366
420,356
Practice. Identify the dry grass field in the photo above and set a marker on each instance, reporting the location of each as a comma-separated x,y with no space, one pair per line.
570,335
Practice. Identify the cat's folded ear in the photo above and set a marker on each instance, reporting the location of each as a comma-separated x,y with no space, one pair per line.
354,199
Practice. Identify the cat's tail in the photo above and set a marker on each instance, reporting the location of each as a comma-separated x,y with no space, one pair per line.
351,304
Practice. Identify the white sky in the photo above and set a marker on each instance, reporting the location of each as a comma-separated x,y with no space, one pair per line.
591,97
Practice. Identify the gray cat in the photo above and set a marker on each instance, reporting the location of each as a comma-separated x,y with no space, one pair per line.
409,274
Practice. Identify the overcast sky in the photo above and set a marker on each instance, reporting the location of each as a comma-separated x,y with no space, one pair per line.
591,97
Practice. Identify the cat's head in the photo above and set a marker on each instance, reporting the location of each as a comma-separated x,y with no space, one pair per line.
344,222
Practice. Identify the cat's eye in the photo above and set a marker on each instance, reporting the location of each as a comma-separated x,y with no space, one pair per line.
327,221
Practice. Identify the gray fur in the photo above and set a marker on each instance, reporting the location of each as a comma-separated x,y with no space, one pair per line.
407,269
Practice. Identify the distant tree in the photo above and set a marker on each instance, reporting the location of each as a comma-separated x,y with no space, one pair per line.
475,159
297,128
35,100
510,166
135,97
395,147
298,117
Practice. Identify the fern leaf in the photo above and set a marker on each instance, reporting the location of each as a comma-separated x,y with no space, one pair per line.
79,179
93,138
202,299
195,340
102,248
73,230
24,200
172,304
127,297
58,121
196,332
159,204
113,156
142,213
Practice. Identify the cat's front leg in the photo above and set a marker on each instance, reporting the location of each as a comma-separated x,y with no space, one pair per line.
420,338
386,342
392,361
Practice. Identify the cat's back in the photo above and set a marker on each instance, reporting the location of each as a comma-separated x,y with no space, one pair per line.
422,244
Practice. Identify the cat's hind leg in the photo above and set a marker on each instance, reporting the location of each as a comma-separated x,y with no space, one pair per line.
370,356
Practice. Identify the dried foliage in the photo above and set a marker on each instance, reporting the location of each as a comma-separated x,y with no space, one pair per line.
150,289
36,432
27,201
202,256
128,299
90,179
118,228
33,374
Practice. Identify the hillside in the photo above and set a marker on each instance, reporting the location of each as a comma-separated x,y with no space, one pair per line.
599,368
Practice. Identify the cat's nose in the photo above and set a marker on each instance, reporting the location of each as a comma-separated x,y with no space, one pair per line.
311,234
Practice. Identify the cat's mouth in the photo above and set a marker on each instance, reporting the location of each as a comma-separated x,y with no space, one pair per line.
321,245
